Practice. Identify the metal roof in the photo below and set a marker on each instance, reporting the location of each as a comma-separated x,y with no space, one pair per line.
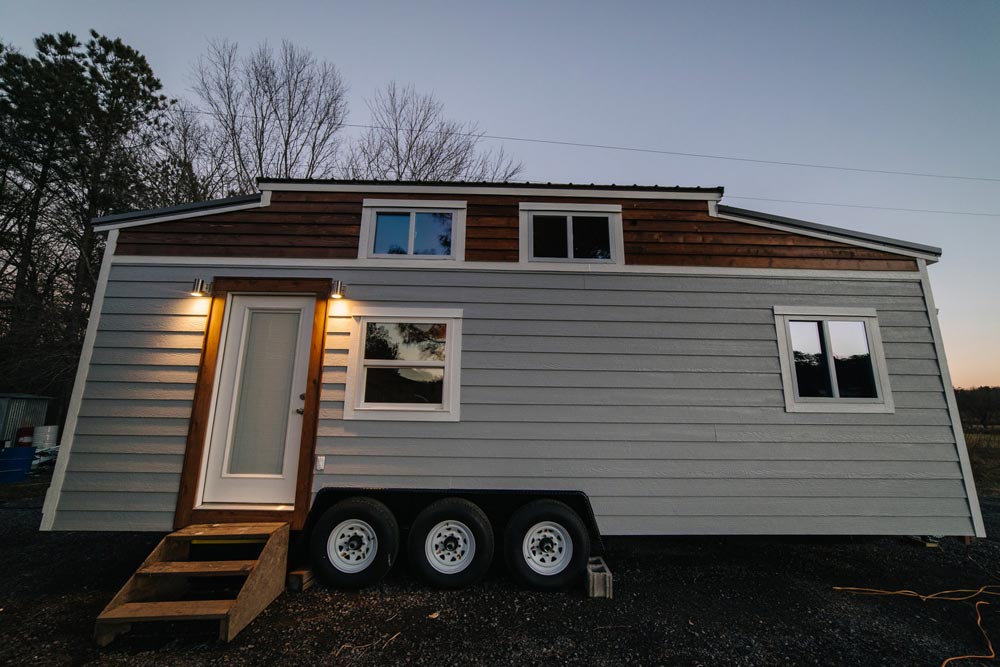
179,208
495,184
817,227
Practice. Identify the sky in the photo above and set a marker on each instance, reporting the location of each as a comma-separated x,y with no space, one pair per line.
898,86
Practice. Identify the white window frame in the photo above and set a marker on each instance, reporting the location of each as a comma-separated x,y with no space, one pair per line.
613,212
883,403
372,207
354,404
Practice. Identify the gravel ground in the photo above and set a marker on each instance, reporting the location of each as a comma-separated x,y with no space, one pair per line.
678,601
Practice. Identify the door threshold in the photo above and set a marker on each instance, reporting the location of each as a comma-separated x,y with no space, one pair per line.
259,507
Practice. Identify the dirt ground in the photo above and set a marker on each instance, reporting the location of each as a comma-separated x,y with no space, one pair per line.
678,601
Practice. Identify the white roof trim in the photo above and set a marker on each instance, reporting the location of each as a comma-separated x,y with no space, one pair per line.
479,190
533,267
265,200
896,250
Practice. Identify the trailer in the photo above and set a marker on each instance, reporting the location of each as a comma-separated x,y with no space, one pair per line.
475,371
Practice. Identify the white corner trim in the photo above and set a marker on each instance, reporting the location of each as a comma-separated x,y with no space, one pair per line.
371,207
458,189
524,235
51,504
949,393
353,391
713,211
577,208
884,404
821,311
265,200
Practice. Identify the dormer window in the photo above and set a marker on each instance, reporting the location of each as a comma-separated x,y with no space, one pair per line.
590,233
415,229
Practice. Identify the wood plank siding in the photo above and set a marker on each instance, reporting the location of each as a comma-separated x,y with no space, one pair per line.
663,232
659,396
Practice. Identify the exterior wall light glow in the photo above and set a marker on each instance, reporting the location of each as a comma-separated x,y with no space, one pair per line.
201,287
336,289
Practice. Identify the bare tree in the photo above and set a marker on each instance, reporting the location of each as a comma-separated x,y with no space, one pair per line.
410,139
279,113
190,162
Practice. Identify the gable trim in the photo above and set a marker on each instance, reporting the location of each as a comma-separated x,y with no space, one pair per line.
181,212
825,232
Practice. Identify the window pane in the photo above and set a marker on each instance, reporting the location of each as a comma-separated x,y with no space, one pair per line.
591,238
432,235
852,359
405,341
404,385
392,233
549,236
265,392
810,359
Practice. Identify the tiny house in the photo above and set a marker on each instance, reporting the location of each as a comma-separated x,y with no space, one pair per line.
459,369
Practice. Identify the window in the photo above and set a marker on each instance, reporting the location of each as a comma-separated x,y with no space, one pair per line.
832,360
405,365
571,233
415,229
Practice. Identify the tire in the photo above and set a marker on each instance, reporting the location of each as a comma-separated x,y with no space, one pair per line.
450,544
546,545
354,543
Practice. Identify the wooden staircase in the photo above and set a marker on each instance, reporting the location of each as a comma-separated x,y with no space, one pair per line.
194,575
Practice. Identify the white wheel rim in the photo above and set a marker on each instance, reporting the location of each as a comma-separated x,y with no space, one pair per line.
547,548
352,546
450,547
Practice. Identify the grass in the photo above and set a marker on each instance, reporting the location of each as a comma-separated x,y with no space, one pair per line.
984,453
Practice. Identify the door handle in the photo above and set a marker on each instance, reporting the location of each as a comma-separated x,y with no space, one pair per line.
301,411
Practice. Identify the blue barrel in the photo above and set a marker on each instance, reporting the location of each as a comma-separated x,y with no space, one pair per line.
15,463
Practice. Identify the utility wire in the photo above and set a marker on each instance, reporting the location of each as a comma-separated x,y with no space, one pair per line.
877,208
657,151
719,157
708,156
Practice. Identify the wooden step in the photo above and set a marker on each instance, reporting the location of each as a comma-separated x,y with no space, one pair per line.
187,610
155,591
203,568
224,530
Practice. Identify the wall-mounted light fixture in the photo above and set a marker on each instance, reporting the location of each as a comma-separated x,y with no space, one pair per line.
336,289
201,287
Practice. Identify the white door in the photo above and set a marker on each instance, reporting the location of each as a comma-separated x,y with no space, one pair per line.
255,425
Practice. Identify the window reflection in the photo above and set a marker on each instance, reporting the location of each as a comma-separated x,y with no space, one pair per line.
413,233
405,341
852,359
549,236
591,238
432,234
392,233
404,362
812,372
571,237
404,385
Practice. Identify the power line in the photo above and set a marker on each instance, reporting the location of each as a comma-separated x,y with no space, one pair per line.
707,156
657,151
877,208
716,157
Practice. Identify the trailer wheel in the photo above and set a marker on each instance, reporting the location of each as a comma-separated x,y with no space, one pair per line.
354,543
451,543
546,545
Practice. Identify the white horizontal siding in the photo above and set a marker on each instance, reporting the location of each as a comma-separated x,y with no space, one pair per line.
659,396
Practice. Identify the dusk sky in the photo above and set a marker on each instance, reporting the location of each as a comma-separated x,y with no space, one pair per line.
898,86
